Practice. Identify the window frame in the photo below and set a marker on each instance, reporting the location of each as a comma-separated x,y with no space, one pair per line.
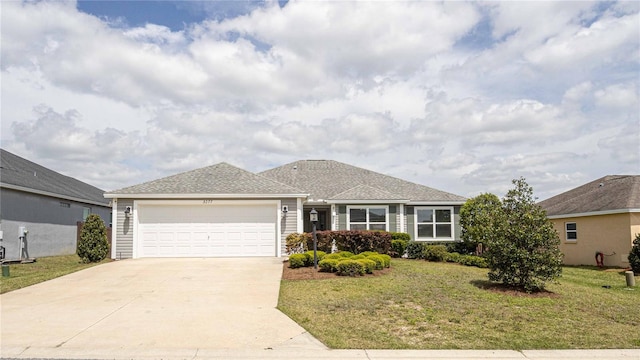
367,221
434,223
567,231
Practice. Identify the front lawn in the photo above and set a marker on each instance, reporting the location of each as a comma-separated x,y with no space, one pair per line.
45,268
426,305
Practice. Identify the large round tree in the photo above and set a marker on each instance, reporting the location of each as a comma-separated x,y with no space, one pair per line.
522,247
525,249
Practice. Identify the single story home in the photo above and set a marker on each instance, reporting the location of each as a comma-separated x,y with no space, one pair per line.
45,203
602,216
225,211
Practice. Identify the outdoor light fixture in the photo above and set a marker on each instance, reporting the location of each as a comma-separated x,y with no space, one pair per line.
313,216
285,210
127,211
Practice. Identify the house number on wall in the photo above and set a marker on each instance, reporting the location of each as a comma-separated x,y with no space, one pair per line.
207,202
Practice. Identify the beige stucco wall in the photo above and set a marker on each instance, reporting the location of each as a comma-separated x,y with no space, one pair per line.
610,234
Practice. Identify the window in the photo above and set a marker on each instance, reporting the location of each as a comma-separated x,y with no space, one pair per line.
434,223
572,231
85,213
65,204
367,218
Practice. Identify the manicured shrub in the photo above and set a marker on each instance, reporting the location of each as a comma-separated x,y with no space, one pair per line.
400,236
309,255
386,260
357,257
328,265
336,256
324,240
369,265
453,257
461,247
296,243
414,250
345,254
297,260
357,241
350,267
398,247
472,260
93,245
378,260
369,253
434,252
634,255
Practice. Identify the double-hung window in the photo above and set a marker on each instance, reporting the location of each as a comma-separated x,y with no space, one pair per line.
368,218
572,231
434,223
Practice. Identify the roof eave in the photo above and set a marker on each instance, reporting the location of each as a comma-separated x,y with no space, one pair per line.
436,202
594,213
50,194
368,201
202,196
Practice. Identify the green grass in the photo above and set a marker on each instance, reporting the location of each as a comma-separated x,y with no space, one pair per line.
45,268
424,305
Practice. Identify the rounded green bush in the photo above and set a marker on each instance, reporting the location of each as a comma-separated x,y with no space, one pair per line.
93,245
346,254
309,255
434,252
328,265
350,267
378,260
357,257
387,260
398,247
453,257
297,260
336,256
369,253
368,264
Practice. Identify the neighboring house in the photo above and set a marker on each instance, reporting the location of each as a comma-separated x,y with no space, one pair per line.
47,204
602,216
222,210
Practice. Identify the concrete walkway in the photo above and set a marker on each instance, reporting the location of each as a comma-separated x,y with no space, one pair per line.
135,306
187,309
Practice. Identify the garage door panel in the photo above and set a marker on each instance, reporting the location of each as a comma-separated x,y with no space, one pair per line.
203,231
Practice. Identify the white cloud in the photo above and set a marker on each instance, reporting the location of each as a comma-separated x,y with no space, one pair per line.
382,85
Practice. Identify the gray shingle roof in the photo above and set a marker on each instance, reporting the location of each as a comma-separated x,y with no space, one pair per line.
326,179
221,178
19,172
365,192
612,192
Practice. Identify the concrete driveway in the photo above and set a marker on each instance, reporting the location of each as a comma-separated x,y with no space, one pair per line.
149,307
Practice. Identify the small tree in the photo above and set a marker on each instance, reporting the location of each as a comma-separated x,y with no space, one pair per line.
524,250
634,255
93,245
478,219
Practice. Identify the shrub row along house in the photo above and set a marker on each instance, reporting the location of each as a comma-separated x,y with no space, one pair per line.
600,218
45,203
222,210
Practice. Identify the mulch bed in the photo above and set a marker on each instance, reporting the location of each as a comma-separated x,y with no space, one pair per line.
309,273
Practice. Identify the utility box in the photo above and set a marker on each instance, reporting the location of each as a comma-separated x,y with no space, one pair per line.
22,231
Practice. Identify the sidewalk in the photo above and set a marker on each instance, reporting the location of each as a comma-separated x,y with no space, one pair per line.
291,353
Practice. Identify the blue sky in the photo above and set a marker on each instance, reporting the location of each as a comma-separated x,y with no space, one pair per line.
460,96
175,15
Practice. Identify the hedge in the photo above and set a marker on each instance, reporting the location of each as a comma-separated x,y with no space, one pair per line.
349,267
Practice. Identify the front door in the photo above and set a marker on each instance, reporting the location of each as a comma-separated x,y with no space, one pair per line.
322,220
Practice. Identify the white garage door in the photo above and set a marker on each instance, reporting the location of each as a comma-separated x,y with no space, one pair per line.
206,230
